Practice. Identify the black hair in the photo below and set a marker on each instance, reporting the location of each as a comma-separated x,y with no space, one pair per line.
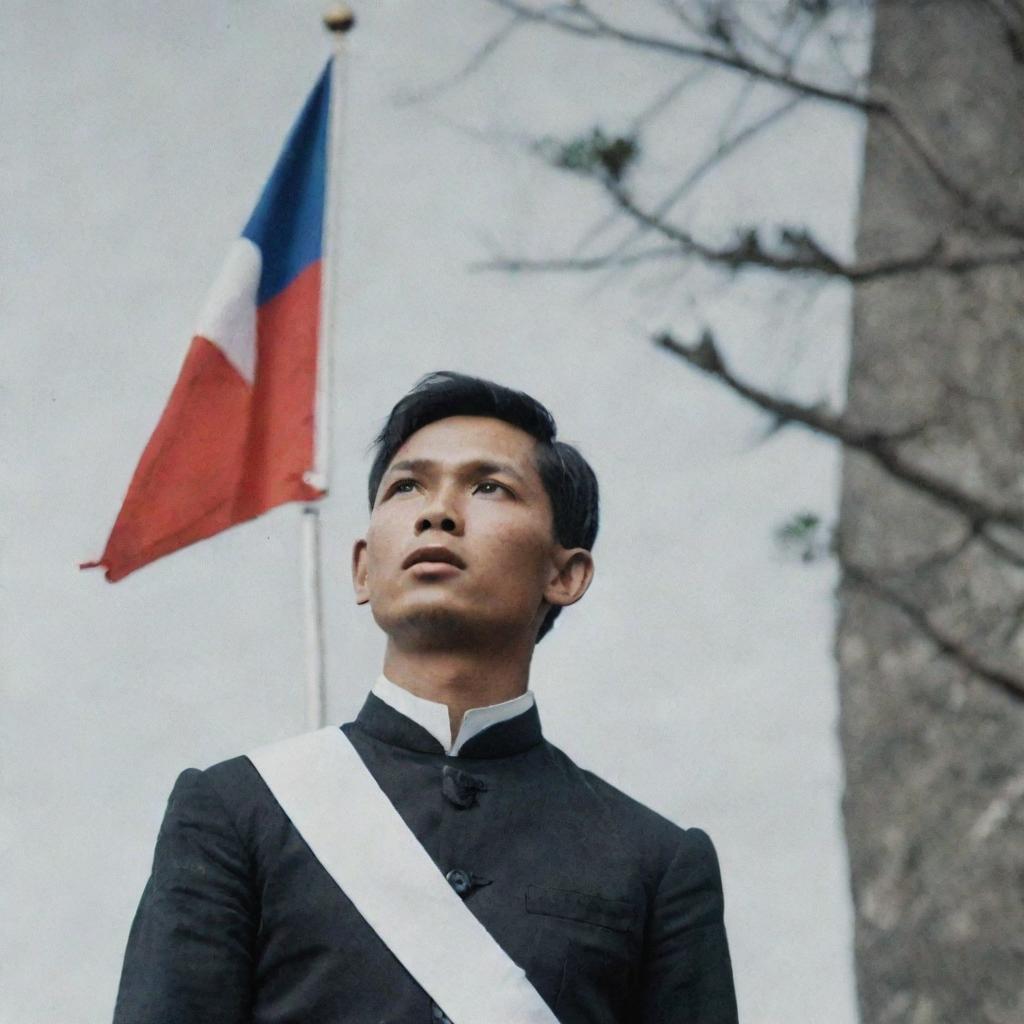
569,481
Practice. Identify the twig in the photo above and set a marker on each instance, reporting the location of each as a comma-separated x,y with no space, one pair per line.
954,648
576,263
1001,549
749,252
488,49
805,255
885,450
581,20
726,149
598,28
938,559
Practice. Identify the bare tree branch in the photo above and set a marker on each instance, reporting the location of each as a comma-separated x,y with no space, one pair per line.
662,102
726,148
488,49
577,263
798,252
941,558
1001,549
884,449
991,214
742,27
577,18
814,258
840,58
722,153
953,647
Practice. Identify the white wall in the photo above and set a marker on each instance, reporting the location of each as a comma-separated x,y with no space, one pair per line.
697,675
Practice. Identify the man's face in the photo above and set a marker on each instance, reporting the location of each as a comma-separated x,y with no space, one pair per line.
461,545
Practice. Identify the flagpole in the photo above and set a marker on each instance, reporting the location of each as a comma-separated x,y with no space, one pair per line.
316,689
338,20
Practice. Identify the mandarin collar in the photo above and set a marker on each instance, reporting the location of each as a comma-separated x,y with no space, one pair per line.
433,716
503,739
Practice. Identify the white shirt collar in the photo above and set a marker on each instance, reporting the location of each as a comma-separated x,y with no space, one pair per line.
433,716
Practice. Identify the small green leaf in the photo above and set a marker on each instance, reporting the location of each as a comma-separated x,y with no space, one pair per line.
592,154
803,536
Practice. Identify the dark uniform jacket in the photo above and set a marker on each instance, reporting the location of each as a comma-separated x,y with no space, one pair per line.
614,913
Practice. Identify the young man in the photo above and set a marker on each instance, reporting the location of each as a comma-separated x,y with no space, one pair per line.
481,529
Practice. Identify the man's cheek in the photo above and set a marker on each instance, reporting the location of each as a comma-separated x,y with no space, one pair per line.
513,536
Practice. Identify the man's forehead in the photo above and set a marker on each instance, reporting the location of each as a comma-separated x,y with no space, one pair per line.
467,439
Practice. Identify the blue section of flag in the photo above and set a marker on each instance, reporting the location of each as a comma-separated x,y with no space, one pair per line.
287,224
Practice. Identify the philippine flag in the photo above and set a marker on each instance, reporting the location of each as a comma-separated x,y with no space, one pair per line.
237,436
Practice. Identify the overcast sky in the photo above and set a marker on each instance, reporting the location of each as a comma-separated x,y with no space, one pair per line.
697,674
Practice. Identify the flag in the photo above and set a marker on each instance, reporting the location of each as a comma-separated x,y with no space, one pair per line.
237,435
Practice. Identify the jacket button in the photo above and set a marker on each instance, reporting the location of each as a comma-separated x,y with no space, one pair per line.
437,1015
459,880
460,788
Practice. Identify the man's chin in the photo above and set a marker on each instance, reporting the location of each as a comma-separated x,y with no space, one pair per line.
433,628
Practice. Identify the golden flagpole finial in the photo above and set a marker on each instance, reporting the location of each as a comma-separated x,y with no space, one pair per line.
339,18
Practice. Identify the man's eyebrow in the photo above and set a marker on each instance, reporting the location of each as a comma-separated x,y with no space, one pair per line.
480,466
497,467
410,466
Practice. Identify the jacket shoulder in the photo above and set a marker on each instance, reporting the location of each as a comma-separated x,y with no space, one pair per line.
235,791
664,840
237,776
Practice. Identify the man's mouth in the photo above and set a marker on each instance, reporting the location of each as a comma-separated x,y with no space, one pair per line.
433,554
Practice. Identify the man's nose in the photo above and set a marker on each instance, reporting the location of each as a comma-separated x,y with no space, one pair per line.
441,514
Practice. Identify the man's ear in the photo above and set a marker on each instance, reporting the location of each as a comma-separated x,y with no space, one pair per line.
574,569
360,573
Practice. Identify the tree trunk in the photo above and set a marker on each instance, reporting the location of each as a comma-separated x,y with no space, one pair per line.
934,803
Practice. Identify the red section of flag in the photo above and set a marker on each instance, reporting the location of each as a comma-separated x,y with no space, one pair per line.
279,448
224,451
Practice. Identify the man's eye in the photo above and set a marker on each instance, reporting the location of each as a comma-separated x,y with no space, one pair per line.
490,487
404,487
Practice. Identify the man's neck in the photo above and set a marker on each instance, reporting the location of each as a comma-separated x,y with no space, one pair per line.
458,680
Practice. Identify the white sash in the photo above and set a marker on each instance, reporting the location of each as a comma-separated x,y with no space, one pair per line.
355,832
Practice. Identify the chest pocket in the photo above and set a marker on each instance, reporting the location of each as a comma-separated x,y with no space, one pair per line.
616,915
599,966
